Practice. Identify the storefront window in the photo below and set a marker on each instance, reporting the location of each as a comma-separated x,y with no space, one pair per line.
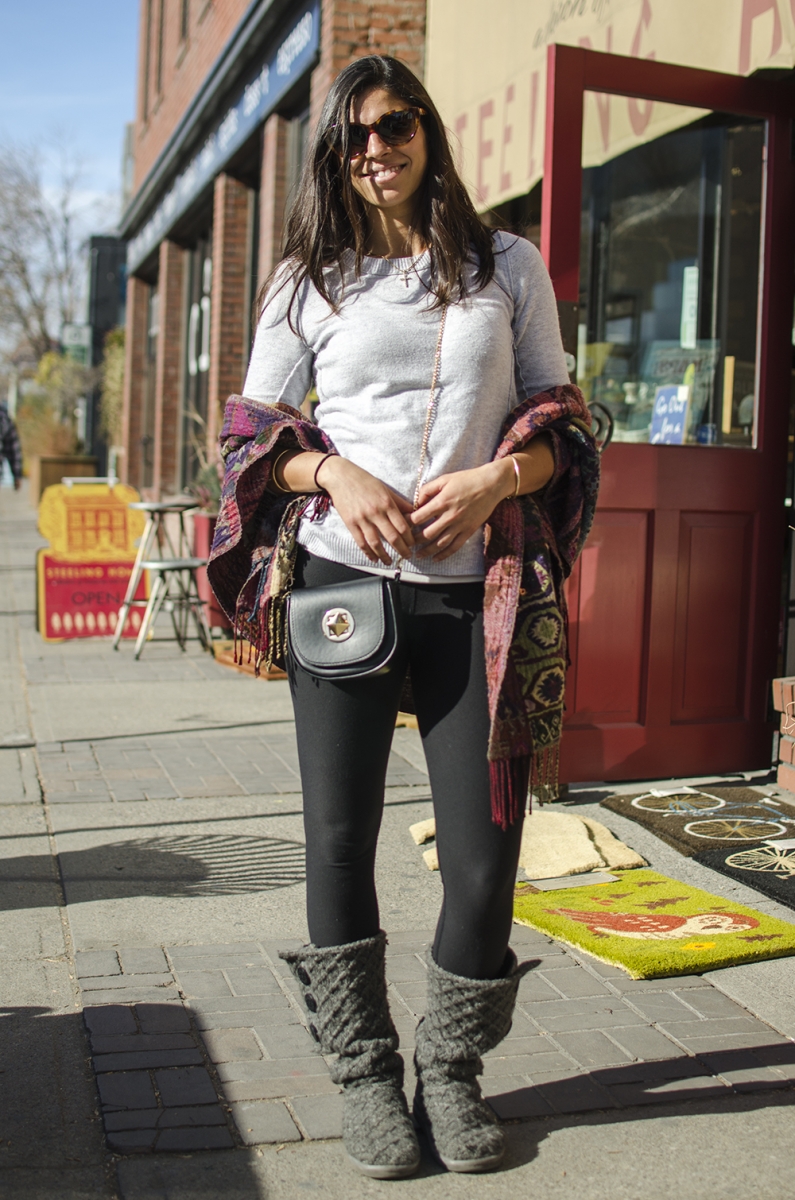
148,422
670,285
197,365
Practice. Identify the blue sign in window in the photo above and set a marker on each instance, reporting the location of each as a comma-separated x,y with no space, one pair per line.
273,80
669,415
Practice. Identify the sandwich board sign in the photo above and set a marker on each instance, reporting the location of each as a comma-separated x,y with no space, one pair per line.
669,415
83,574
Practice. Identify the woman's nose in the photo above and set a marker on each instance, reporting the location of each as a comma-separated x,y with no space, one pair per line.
375,145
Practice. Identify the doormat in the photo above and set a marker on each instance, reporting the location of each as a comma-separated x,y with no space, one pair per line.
736,831
654,927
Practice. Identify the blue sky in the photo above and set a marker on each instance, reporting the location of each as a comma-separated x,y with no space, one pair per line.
67,72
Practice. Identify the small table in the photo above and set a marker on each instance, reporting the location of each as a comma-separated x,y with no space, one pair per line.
155,534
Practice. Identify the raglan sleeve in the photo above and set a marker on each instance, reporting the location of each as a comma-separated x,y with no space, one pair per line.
539,359
281,368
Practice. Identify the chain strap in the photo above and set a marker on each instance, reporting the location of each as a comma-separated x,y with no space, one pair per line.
429,415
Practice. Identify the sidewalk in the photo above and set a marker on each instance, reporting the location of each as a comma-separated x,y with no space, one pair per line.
151,867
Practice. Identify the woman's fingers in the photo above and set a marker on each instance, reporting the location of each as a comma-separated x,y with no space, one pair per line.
373,547
446,535
432,488
446,545
402,504
428,512
444,523
394,530
399,528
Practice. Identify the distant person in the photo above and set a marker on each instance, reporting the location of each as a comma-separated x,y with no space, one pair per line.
449,480
10,448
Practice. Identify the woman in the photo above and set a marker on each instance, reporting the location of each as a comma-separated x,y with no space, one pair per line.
390,279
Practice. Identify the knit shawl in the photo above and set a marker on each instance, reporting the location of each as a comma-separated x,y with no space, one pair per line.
531,545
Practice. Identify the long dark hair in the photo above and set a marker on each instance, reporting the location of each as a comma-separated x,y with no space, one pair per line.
328,216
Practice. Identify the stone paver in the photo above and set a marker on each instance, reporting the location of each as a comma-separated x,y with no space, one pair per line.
204,1046
151,1068
234,1040
170,765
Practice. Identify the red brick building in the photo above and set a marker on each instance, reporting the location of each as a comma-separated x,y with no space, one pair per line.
227,93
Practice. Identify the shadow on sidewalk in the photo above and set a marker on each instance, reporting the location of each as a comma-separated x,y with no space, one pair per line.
49,1117
708,1075
200,864
51,1134
157,1096
525,1138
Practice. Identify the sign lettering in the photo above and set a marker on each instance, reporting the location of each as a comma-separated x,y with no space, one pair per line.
255,103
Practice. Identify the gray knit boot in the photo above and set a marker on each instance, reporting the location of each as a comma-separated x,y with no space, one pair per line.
344,990
465,1018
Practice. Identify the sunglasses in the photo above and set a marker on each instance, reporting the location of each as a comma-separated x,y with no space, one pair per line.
394,128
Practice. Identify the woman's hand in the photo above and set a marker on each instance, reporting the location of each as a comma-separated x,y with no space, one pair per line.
453,507
372,512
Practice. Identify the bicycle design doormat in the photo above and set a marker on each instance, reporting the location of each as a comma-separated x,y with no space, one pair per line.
741,833
653,926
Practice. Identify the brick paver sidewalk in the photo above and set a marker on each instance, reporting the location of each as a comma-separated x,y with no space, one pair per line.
200,1047
152,837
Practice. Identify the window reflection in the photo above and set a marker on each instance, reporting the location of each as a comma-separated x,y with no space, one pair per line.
669,285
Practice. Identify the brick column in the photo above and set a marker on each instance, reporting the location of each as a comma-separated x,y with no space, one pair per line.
168,369
353,28
272,195
134,380
232,209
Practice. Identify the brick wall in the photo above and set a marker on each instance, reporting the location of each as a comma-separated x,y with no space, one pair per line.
134,379
232,211
349,29
185,65
352,28
272,195
168,369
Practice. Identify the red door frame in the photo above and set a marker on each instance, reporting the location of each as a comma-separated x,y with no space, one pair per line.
571,71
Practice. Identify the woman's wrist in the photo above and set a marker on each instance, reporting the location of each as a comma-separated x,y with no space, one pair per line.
324,472
302,471
502,478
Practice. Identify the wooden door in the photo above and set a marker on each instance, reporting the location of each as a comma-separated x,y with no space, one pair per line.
675,602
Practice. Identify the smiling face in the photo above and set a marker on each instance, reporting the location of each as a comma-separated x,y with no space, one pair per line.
387,177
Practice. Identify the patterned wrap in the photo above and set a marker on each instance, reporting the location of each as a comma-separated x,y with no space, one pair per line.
531,546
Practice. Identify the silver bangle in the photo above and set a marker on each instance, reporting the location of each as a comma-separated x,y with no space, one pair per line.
515,491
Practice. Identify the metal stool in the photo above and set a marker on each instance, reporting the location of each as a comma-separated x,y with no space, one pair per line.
174,584
155,533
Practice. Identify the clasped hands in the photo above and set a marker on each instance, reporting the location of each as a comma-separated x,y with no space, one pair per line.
450,509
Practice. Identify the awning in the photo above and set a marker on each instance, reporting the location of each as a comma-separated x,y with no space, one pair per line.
486,71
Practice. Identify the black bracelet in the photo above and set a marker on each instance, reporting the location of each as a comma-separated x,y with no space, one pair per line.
319,486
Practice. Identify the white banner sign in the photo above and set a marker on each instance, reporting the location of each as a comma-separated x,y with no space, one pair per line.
486,71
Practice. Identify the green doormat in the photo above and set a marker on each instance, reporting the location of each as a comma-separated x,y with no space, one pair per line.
653,926
739,832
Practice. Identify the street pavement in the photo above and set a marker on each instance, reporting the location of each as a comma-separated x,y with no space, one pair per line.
151,1041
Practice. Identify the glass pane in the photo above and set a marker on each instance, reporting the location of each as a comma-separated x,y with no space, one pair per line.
197,363
669,285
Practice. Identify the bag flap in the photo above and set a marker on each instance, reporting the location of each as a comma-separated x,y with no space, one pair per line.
341,624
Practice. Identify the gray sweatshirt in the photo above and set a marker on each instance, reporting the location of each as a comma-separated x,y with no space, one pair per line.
371,364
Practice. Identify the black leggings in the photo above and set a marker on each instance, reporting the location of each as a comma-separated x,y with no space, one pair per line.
344,735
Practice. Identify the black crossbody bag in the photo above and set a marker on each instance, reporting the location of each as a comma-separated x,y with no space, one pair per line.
349,630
